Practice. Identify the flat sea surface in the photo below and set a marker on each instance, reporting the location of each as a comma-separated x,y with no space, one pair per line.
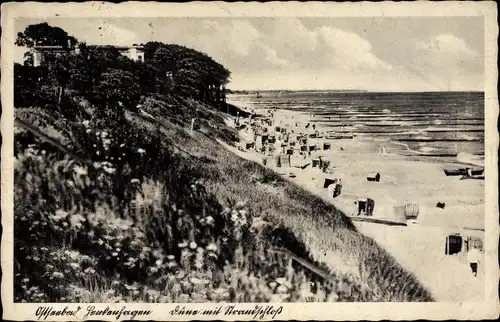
427,123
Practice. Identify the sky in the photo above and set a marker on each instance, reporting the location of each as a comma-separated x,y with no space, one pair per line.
366,53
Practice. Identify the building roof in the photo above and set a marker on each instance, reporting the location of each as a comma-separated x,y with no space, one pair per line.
49,47
91,46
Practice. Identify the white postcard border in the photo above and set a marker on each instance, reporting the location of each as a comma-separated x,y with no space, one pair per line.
297,311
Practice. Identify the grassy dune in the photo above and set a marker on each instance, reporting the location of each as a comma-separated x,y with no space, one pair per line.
164,215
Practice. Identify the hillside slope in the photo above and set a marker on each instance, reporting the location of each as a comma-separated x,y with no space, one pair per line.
174,180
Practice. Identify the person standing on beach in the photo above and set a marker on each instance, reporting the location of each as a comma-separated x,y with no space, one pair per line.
473,259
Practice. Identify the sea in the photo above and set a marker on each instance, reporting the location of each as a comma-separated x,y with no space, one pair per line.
425,124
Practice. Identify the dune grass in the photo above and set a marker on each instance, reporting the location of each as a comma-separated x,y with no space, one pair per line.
164,215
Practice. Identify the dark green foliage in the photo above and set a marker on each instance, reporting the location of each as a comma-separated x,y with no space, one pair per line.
117,87
43,34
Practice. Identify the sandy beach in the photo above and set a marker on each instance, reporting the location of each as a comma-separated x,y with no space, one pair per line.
403,180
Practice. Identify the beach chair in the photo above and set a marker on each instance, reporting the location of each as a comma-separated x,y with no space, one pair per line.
473,242
361,203
370,206
316,163
328,182
453,244
338,190
411,211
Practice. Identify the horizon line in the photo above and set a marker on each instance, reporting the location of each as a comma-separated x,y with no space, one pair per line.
355,90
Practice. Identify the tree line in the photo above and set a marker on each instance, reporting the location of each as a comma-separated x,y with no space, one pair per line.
107,78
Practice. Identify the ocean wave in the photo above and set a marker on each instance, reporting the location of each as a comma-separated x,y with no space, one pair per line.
470,158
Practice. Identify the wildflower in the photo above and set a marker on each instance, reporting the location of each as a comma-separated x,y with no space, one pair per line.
60,214
219,291
122,145
195,281
182,245
159,262
171,264
134,180
88,131
282,289
272,285
114,254
104,134
74,265
109,170
86,123
141,151
130,287
192,245
200,250
25,280
209,219
281,280
171,257
76,220
153,270
57,275
240,204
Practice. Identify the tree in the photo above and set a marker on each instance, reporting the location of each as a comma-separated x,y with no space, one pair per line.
46,35
117,88
193,73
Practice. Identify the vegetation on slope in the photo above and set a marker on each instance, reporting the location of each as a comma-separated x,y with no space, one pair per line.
130,208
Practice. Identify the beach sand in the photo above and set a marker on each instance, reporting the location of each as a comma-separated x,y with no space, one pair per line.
419,246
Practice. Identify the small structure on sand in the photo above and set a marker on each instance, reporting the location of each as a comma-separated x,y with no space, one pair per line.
409,211
440,205
260,141
329,181
453,244
376,178
335,188
326,146
283,161
473,242
365,206
316,163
